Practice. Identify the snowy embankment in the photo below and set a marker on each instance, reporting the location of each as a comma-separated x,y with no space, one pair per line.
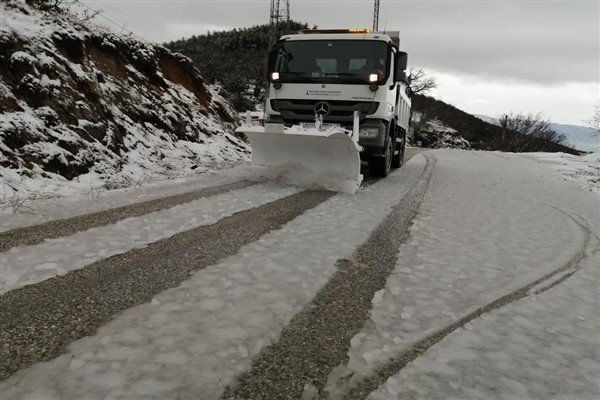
491,224
84,110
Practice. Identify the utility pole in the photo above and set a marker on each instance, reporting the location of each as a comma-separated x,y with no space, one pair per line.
279,15
376,17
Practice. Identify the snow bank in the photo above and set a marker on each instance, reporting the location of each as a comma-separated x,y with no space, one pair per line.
584,170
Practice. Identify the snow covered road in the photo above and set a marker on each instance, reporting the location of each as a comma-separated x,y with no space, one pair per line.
460,315
489,226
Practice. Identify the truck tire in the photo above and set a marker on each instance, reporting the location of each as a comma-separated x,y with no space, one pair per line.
381,166
398,159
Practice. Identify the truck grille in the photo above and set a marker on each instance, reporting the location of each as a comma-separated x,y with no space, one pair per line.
342,112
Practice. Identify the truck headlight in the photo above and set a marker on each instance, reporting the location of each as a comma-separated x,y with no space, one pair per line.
369,132
275,80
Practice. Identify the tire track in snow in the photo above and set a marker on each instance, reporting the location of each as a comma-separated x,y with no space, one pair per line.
32,264
38,321
35,234
317,339
589,246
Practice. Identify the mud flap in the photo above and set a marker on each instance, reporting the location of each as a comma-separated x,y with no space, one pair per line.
307,157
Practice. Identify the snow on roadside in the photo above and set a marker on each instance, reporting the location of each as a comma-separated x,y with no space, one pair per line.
191,341
31,264
474,240
584,170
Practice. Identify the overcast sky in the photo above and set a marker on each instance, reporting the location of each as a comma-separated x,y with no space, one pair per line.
490,57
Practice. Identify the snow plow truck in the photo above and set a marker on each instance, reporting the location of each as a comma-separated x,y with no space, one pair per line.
335,97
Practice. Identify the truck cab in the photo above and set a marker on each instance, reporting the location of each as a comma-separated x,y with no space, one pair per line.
330,74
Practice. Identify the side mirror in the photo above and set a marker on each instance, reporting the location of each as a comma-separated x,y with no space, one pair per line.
401,61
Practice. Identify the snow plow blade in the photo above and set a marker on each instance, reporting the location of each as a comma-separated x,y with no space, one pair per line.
307,157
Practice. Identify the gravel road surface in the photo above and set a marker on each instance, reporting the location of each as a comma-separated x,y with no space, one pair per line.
38,321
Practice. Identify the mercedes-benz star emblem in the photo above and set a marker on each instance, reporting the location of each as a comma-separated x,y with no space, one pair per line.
322,108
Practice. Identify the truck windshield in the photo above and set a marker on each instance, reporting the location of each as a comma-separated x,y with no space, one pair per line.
330,61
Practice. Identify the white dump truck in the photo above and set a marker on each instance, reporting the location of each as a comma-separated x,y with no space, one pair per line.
336,97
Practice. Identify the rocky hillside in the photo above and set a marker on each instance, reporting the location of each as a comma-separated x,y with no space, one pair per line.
434,134
82,108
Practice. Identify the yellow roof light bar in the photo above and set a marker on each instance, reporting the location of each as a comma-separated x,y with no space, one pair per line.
348,30
359,30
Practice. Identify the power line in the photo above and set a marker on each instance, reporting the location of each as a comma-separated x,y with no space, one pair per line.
98,13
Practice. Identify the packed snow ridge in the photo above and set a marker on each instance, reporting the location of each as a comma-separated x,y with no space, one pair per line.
83,109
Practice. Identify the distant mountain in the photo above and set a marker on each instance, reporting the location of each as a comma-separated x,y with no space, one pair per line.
486,118
579,137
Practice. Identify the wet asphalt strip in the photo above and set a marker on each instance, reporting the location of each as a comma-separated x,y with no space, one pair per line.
318,338
35,234
38,321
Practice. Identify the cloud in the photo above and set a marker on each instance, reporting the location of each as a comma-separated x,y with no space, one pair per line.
188,29
566,103
531,42
490,56
541,42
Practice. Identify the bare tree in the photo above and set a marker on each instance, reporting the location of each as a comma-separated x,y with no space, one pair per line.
419,82
527,132
594,122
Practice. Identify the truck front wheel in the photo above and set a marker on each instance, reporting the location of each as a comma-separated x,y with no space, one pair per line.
398,159
381,166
